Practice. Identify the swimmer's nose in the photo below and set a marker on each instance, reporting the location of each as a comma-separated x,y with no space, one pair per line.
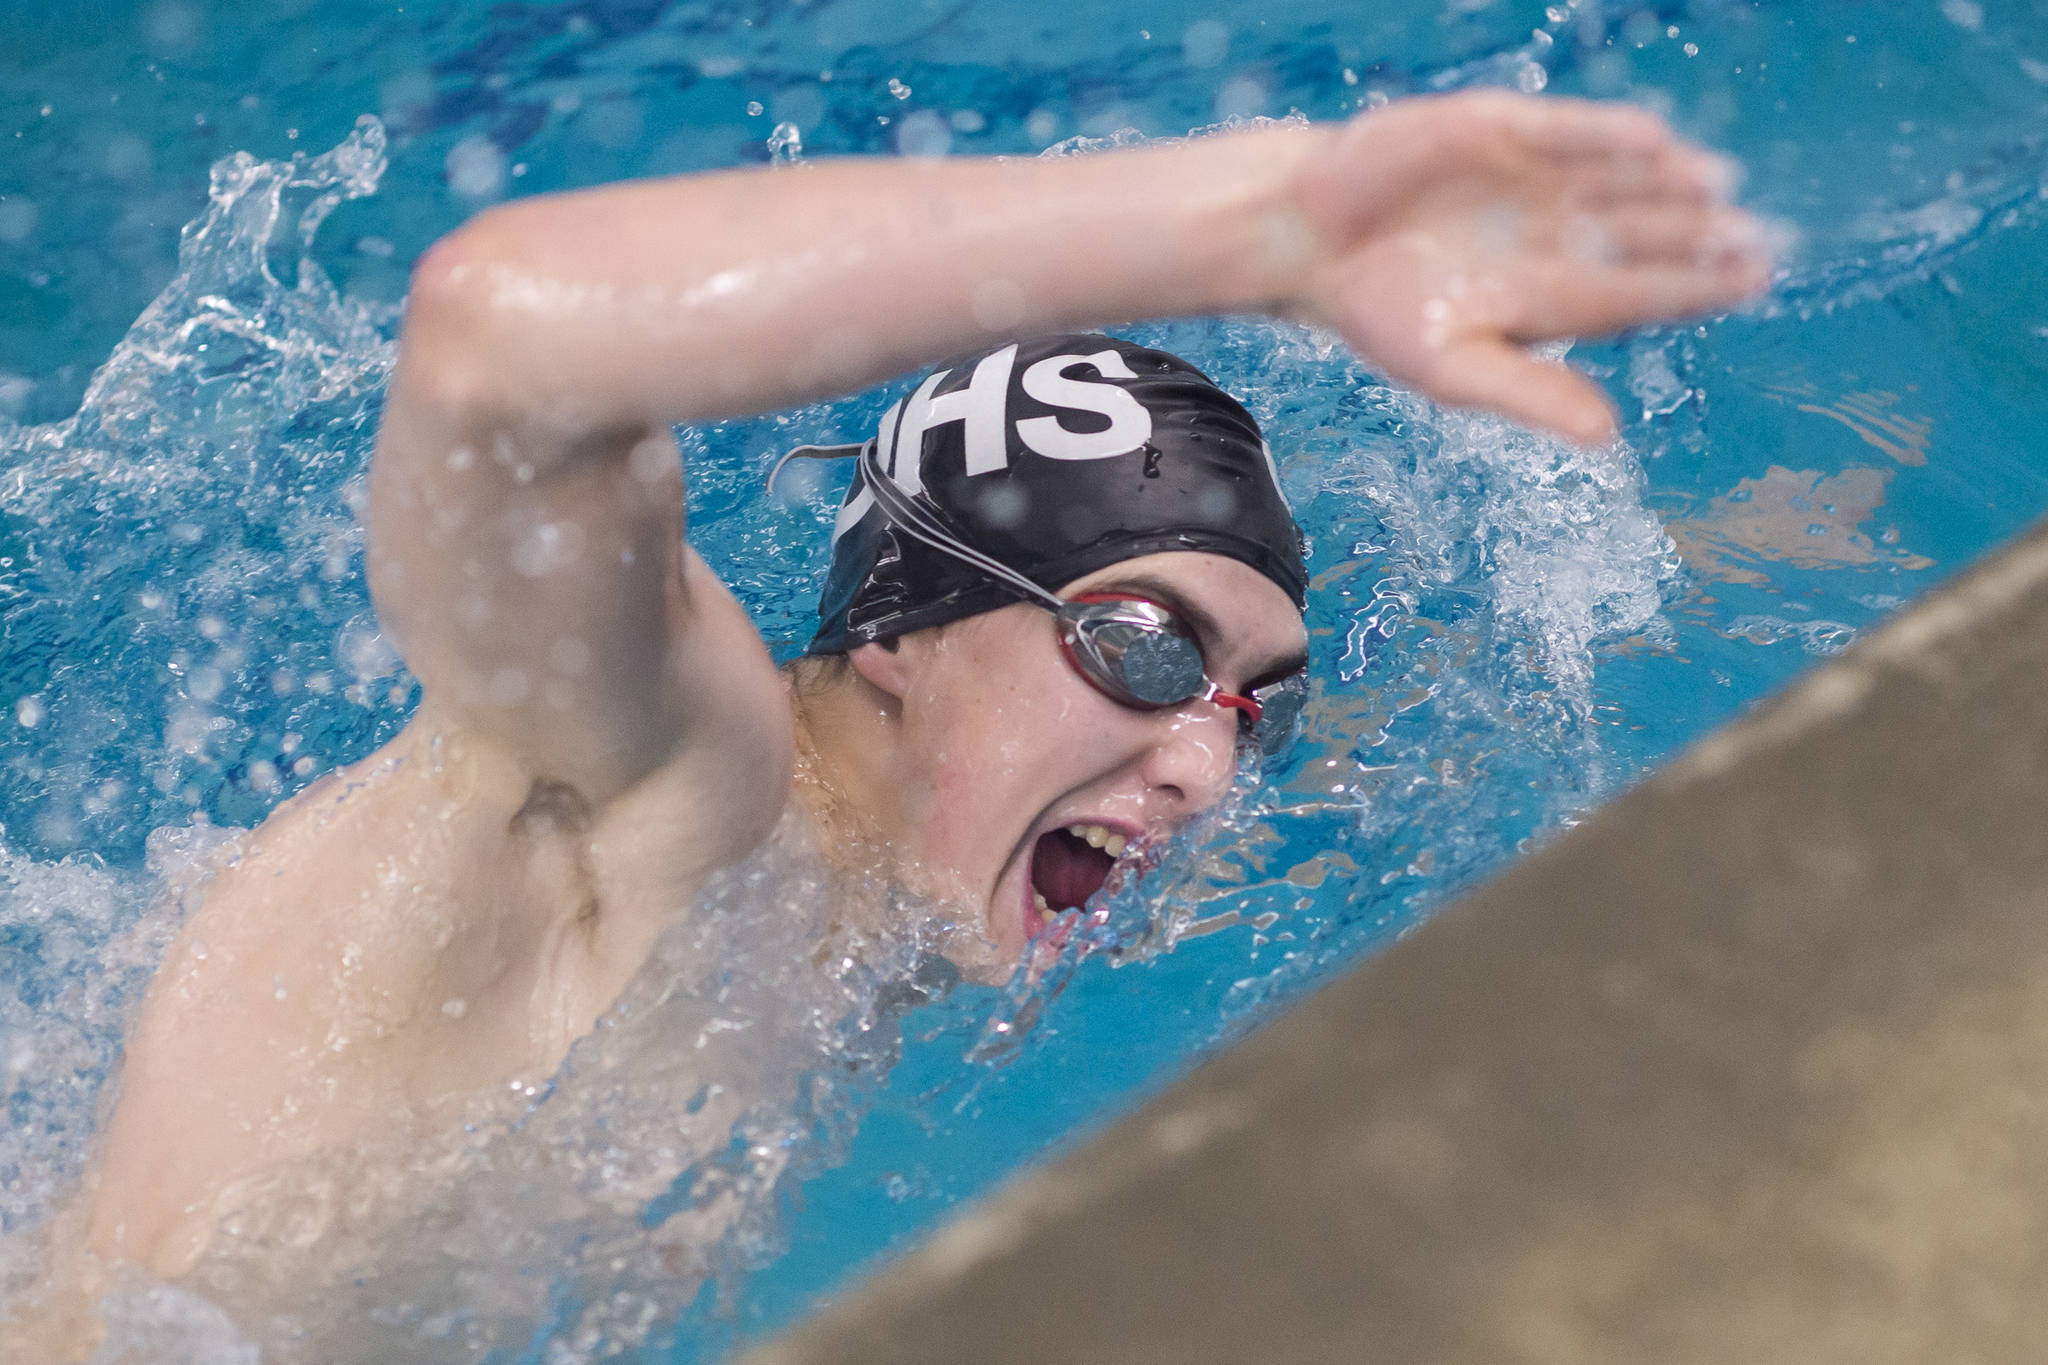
1193,757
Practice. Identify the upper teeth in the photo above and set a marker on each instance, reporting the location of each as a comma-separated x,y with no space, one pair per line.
1102,837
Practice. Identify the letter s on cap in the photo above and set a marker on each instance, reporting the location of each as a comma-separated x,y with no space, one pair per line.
1130,425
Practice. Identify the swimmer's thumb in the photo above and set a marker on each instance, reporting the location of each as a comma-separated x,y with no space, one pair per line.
1503,378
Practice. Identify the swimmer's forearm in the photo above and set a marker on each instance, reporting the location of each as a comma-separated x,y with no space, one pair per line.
686,299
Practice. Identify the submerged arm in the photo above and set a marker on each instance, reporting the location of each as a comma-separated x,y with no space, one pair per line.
526,505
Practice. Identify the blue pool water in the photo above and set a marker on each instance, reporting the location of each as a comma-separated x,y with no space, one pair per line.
1505,630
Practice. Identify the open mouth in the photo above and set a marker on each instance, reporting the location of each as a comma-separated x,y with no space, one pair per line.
1068,865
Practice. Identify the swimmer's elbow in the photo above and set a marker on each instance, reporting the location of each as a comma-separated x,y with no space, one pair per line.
447,283
441,279
453,342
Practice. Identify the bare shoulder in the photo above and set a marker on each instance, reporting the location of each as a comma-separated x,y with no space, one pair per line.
286,1010
429,921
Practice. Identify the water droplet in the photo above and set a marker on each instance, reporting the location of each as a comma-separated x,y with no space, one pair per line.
1205,44
1241,97
476,168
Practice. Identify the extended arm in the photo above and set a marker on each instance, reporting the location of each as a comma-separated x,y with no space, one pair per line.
526,514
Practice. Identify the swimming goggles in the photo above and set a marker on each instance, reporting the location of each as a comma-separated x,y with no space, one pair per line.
1138,652
1133,650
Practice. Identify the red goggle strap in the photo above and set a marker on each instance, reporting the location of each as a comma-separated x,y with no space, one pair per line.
1250,708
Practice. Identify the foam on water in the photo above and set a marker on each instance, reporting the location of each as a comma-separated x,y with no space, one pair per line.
588,1212
189,642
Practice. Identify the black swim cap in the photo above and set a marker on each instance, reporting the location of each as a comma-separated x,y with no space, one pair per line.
1057,456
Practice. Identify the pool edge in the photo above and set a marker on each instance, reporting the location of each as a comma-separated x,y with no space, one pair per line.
1753,1064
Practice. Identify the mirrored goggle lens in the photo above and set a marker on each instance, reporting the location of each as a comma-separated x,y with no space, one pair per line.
1161,668
1142,664
1279,713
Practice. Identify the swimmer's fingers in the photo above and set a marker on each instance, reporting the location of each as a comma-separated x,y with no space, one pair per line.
1658,234
1592,302
1679,177
1499,377
1616,154
1387,156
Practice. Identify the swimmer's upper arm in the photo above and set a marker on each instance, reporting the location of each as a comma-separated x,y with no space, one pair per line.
528,561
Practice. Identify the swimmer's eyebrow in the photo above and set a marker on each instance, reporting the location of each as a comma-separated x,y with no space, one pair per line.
1207,633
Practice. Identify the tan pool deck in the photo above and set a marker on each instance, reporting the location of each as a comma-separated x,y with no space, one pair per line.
1750,1067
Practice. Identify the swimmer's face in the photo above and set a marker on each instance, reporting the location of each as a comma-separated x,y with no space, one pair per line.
1005,748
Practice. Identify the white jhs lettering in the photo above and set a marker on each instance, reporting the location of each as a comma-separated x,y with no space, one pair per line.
982,409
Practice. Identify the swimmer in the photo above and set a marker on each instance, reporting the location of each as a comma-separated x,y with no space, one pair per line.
1066,587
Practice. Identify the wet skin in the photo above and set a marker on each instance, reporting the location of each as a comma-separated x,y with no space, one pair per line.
963,746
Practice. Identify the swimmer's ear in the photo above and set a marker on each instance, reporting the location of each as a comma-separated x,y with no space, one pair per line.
884,665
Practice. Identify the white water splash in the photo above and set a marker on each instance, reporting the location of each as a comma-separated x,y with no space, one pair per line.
193,522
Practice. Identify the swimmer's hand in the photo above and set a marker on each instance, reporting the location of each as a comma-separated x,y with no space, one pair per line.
1450,232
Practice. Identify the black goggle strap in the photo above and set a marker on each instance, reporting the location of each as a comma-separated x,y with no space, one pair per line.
810,453
925,525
